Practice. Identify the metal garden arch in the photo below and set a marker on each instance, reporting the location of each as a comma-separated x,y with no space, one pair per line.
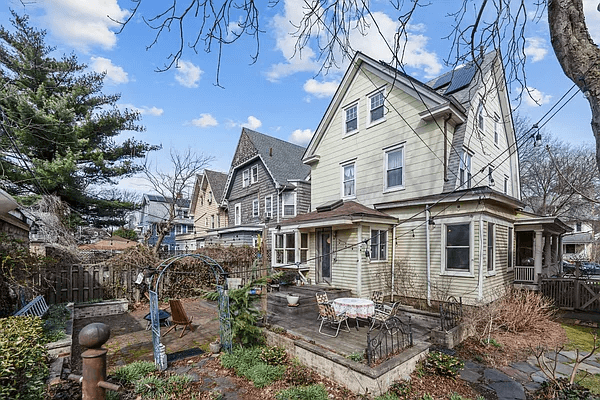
224,317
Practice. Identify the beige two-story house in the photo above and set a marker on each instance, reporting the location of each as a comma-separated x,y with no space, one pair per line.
415,186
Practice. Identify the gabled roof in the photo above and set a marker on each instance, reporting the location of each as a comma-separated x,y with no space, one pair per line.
215,179
283,160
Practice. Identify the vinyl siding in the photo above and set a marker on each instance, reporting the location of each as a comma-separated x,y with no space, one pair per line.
423,163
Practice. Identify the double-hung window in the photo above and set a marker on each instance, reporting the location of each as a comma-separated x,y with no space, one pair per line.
376,111
394,168
491,244
458,247
465,170
496,129
255,208
510,249
212,221
303,248
351,118
246,178
378,244
269,206
238,214
491,176
285,248
348,181
505,184
480,117
288,200
254,174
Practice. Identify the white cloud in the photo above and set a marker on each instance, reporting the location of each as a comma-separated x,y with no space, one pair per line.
253,123
320,89
592,19
369,41
205,121
535,97
301,136
114,73
83,24
154,111
187,74
536,49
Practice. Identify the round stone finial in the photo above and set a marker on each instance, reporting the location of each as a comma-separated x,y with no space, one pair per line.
93,336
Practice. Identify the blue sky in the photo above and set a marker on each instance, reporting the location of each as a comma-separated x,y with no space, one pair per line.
281,94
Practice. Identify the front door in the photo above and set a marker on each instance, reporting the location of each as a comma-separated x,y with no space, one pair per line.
324,252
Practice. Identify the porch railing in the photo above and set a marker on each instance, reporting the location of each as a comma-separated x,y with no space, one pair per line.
524,274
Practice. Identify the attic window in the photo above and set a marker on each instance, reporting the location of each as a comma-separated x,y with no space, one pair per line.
254,174
376,101
351,118
480,120
246,178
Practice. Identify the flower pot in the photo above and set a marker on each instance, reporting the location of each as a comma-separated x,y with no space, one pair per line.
292,300
215,348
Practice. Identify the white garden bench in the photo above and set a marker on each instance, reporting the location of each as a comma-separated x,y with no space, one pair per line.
37,307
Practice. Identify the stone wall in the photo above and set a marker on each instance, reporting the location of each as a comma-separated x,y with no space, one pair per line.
105,308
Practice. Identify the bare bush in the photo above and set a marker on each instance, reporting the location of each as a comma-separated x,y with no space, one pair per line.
517,311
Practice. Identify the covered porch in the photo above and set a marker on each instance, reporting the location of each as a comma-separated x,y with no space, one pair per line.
539,249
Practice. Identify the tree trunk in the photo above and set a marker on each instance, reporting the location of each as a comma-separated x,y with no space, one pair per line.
577,54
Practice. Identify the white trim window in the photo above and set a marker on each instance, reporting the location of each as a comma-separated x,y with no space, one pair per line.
457,247
497,128
210,197
303,248
464,171
378,245
376,104
288,204
505,184
255,207
254,174
269,206
218,221
212,221
246,178
491,176
394,168
285,248
348,181
351,119
238,214
510,249
480,117
491,246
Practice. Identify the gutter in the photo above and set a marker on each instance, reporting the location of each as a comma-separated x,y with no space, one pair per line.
428,262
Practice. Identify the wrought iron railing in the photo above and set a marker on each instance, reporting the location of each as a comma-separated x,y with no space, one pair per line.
391,338
450,313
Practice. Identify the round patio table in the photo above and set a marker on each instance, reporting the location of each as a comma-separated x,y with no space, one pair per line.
353,307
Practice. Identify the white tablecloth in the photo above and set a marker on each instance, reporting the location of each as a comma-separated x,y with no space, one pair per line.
354,307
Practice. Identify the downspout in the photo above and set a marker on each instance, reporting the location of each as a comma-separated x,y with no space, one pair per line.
393,259
446,119
359,263
480,283
427,219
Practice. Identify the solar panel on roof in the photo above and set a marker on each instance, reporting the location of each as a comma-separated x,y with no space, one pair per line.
442,80
462,77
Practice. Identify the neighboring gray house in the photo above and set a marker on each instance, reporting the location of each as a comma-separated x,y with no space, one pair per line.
267,183
155,210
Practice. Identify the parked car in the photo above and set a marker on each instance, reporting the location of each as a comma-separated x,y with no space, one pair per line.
591,268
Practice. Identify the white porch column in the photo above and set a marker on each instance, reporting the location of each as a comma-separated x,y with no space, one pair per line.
560,249
555,254
537,255
547,254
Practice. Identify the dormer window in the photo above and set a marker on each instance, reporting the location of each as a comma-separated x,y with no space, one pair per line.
480,120
255,174
246,178
376,101
351,119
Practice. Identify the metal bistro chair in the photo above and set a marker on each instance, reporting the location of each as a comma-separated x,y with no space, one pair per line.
383,315
328,315
377,298
321,299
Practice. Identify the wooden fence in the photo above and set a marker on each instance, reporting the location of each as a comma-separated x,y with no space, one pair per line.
86,282
572,293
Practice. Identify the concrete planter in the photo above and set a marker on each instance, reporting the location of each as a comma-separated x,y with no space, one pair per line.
292,299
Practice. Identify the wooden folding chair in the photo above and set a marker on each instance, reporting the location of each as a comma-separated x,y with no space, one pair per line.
178,317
